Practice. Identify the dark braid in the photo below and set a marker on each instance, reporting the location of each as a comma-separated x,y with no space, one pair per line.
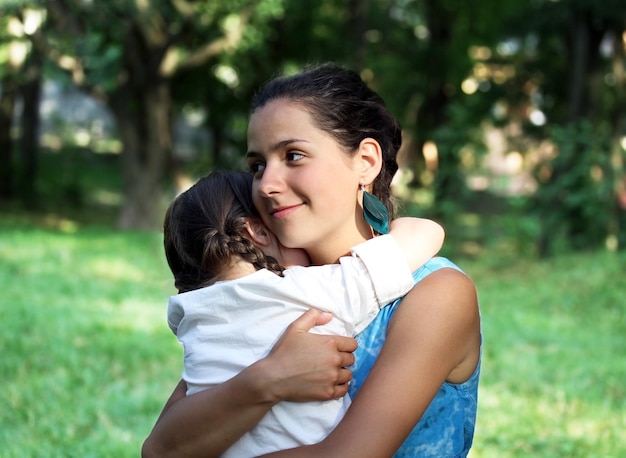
224,246
204,230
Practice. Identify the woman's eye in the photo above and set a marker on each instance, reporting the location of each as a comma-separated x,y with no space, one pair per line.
256,167
294,156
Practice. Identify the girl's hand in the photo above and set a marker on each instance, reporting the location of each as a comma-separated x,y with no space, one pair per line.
309,367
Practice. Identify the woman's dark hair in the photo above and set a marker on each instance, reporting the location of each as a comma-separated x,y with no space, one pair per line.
342,105
204,229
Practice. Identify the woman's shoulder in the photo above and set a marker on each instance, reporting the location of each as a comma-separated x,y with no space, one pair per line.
443,275
435,264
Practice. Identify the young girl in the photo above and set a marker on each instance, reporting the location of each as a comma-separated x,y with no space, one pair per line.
235,298
314,138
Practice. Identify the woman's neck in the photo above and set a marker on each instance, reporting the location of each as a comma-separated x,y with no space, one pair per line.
330,250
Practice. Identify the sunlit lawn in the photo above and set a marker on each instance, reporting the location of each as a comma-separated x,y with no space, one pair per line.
554,365
87,359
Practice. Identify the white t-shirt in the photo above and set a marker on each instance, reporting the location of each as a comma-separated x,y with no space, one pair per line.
229,325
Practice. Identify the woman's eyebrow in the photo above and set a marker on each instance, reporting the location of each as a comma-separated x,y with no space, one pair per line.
277,146
253,155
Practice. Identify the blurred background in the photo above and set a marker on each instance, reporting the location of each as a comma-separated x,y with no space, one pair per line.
514,124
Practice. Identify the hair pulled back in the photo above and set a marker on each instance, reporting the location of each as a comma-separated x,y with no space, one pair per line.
204,230
342,105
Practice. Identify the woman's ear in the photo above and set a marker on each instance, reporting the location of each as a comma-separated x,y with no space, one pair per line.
371,156
258,232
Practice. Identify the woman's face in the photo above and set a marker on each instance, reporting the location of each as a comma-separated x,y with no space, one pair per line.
305,184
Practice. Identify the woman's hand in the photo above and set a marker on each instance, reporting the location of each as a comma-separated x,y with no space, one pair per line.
309,367
300,367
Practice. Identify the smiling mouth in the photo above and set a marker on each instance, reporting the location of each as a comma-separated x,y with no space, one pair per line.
281,212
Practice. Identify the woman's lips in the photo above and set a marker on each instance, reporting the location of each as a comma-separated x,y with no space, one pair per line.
281,212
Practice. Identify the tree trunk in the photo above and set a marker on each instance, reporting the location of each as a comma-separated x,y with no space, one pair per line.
218,152
142,107
29,141
432,113
618,123
583,41
357,26
8,97
146,155
582,49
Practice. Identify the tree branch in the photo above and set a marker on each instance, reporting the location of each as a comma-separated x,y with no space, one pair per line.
232,37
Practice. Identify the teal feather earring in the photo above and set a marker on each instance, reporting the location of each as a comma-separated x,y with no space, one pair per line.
375,212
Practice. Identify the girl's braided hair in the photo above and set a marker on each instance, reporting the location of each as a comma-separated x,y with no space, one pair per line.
204,230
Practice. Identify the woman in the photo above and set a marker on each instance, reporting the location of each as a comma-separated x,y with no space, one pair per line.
314,141
239,288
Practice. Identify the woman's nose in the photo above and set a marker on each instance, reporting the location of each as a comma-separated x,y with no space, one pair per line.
271,182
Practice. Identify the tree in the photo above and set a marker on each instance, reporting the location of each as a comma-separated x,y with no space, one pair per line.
282,36
576,83
137,59
420,58
7,108
29,141
21,80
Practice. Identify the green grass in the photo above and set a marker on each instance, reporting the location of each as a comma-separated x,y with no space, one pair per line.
87,358
554,366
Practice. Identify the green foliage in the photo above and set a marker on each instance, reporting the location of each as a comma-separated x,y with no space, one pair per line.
452,139
417,54
79,186
575,198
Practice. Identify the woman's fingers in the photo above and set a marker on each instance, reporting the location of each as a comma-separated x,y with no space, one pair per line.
345,375
309,319
346,344
308,366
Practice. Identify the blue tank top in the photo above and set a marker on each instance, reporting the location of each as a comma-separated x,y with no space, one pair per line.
447,427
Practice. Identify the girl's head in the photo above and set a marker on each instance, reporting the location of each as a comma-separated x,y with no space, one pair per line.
341,104
211,225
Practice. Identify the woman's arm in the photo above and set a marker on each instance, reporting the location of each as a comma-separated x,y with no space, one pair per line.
300,367
433,337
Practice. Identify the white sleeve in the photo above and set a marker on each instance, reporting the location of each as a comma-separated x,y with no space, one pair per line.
355,289
387,267
175,313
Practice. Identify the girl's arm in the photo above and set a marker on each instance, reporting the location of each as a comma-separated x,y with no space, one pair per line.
301,367
419,239
434,336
